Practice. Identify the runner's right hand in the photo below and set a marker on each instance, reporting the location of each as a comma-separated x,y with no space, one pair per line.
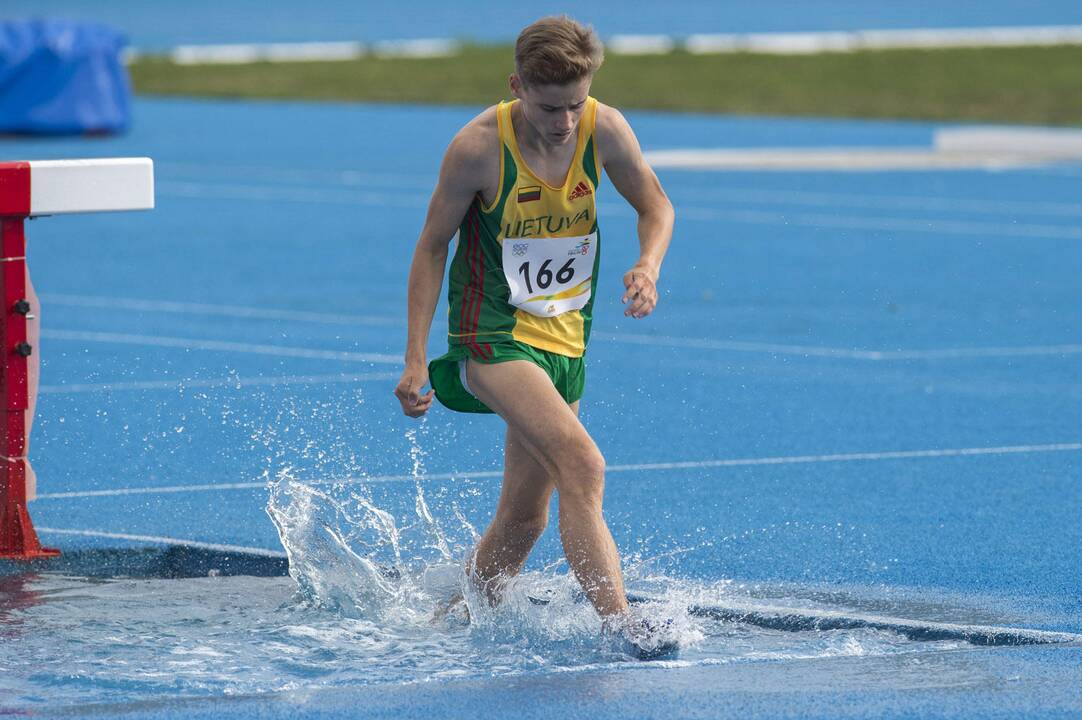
408,391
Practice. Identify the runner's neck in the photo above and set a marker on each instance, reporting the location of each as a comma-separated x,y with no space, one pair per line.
550,163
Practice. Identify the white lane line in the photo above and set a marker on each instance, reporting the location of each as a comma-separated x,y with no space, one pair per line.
776,43
982,352
344,177
220,345
636,467
816,351
886,202
934,226
264,193
227,382
266,52
640,44
736,345
317,51
628,338
238,311
684,212
416,48
853,457
160,540
425,182
844,159
802,43
165,490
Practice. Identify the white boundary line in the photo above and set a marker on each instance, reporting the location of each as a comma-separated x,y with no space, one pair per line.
265,193
160,540
328,51
686,212
210,309
345,177
220,345
810,43
636,467
165,490
883,202
885,224
189,308
814,351
269,52
353,178
849,159
771,43
736,345
627,338
227,382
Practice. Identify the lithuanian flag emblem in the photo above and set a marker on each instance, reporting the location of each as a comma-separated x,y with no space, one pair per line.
528,193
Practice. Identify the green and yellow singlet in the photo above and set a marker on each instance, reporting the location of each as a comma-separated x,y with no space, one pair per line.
526,266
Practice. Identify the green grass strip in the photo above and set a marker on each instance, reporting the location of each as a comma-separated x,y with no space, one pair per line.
1039,85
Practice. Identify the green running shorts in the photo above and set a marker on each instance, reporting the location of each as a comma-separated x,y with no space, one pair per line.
447,373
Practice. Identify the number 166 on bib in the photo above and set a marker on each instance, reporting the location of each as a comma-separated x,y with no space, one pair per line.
549,276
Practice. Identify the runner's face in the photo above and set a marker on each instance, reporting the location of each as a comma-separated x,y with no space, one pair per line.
554,111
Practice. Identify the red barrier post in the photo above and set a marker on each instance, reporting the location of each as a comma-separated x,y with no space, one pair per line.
18,540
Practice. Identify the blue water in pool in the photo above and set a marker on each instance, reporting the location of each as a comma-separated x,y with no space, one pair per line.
366,605
935,490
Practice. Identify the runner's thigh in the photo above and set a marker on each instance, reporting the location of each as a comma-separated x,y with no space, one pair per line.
523,395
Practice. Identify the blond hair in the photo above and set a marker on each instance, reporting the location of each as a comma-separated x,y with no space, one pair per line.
556,51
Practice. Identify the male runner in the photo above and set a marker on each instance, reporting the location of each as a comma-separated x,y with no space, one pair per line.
518,183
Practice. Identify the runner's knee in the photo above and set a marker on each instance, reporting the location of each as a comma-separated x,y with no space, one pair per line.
582,475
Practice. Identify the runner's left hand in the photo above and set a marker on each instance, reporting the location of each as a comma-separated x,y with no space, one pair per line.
408,390
641,291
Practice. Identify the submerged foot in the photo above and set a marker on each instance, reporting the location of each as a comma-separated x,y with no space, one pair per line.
455,611
643,638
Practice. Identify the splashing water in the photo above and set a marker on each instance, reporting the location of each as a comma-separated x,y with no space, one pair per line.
350,556
355,560
369,582
432,528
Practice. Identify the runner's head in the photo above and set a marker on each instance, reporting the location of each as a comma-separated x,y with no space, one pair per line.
555,62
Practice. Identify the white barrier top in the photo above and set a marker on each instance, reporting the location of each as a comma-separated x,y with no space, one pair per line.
57,187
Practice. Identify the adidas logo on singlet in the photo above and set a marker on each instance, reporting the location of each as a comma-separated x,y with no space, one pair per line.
581,190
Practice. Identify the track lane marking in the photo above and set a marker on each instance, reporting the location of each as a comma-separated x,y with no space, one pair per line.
617,337
882,202
161,540
220,345
228,382
237,311
820,351
305,178
633,467
231,192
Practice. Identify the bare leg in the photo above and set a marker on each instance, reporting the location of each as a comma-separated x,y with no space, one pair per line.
521,517
523,395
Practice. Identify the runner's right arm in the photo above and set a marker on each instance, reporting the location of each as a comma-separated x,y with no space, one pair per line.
459,181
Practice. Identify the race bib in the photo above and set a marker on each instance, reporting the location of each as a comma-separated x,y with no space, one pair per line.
549,276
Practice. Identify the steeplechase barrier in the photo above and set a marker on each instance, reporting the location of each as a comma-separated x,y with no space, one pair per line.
29,190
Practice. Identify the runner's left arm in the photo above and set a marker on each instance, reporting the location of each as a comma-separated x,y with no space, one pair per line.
635,180
458,183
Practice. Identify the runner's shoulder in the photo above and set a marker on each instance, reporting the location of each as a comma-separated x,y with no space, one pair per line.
609,119
614,134
475,145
